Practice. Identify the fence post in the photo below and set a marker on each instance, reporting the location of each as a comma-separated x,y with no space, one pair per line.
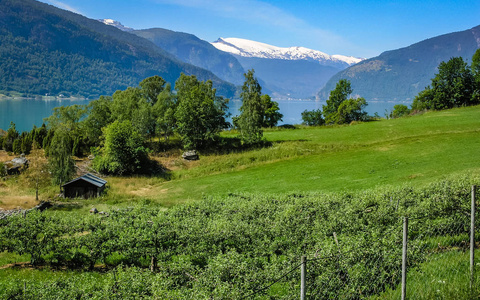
303,270
472,242
404,258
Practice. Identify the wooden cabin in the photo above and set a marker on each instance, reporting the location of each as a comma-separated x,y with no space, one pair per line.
86,186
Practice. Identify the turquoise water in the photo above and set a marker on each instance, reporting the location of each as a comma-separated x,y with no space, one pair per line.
28,112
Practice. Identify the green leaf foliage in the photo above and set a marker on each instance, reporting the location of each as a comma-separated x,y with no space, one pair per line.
123,152
271,112
200,114
399,110
61,164
351,110
341,92
453,86
342,110
251,116
313,117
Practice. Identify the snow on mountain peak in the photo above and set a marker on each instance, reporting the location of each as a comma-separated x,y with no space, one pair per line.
248,48
115,24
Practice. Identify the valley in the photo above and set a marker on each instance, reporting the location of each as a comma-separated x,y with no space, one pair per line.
238,162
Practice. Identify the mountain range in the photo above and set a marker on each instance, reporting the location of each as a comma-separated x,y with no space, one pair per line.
47,50
399,75
294,72
190,49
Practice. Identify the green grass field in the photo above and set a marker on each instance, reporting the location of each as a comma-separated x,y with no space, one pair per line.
415,150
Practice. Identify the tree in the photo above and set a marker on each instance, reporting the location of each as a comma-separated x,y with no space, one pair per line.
271,112
61,164
123,152
200,114
164,110
17,146
131,105
99,116
151,87
313,117
9,139
399,110
351,110
26,144
475,67
342,110
251,116
453,86
39,134
341,92
69,118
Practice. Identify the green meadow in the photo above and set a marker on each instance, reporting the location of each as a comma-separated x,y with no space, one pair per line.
414,150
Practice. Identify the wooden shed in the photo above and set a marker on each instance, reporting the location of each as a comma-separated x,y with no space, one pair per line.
86,186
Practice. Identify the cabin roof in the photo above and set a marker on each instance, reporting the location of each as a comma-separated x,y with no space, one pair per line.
97,181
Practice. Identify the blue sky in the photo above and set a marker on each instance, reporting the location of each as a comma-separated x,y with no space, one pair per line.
358,28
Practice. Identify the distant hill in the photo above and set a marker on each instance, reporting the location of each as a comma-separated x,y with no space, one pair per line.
190,49
295,72
399,75
46,50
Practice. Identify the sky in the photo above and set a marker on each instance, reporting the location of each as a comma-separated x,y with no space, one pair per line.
347,27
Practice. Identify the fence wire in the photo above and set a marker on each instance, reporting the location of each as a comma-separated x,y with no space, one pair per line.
438,265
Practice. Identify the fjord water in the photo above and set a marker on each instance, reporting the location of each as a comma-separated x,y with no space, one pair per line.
28,112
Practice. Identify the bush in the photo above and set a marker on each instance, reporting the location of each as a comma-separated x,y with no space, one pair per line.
3,170
124,152
399,110
313,117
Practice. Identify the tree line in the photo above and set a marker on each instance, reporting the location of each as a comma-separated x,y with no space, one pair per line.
456,84
116,128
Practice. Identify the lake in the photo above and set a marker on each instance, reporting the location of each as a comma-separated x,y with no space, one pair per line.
28,112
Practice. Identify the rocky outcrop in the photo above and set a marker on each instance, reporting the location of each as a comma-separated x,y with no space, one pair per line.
16,165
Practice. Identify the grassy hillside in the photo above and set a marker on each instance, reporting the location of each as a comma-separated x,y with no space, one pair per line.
415,150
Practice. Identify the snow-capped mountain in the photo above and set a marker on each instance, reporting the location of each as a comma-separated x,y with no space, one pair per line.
248,48
115,24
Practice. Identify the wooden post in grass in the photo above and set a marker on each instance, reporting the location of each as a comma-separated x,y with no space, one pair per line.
472,242
303,276
404,258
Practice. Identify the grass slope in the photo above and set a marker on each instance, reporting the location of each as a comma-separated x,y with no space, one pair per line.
415,150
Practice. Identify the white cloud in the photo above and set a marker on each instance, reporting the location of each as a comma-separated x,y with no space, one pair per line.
258,12
62,5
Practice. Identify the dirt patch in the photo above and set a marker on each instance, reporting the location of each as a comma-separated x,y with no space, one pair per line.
5,157
12,202
17,264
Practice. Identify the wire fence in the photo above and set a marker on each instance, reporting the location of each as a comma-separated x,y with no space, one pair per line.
432,257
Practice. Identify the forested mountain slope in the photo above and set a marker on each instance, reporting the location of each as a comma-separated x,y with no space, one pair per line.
190,49
46,50
399,75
